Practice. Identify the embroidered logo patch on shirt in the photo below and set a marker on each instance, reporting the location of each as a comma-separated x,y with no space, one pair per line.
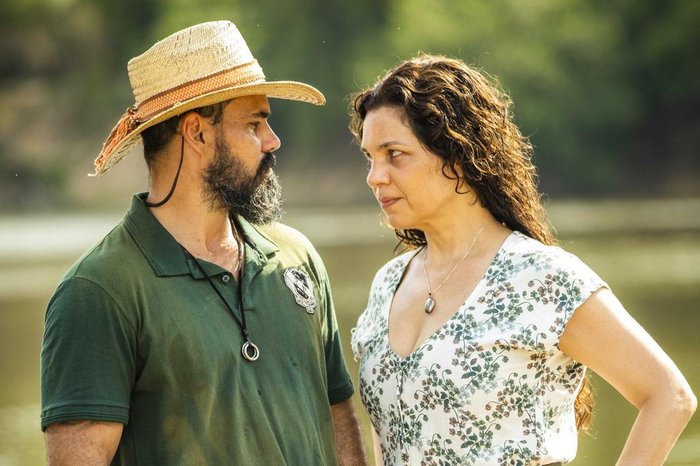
302,288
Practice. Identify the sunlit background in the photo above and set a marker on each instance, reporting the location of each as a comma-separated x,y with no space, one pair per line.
607,91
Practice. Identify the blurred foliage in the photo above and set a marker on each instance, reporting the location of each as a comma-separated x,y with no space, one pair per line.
607,91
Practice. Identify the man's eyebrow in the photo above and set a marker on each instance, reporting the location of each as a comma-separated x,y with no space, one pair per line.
261,114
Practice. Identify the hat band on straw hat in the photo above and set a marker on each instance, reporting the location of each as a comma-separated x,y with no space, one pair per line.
240,75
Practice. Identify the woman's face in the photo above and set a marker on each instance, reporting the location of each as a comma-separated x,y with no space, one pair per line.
405,177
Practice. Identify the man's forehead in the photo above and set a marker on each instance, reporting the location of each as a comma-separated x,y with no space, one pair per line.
254,105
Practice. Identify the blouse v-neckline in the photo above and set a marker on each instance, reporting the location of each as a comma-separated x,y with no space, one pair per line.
386,312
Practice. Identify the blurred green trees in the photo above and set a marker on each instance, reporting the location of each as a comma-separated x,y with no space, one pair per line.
607,91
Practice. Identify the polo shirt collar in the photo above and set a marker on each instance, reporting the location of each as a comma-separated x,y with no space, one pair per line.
165,255
255,238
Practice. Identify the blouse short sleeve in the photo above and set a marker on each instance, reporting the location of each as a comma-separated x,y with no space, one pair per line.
541,286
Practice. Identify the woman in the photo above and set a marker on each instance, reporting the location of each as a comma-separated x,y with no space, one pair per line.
474,345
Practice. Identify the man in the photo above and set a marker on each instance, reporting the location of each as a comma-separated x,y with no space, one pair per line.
199,331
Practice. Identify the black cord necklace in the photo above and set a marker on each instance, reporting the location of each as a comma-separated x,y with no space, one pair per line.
249,350
172,188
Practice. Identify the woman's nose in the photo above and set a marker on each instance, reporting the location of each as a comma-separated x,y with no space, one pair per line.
377,175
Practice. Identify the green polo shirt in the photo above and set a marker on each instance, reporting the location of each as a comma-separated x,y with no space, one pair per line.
135,334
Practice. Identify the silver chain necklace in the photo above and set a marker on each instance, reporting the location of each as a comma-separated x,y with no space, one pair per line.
430,303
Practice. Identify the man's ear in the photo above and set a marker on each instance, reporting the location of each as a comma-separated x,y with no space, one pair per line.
196,132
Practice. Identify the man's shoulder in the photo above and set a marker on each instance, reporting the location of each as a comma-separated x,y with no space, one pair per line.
104,260
292,247
285,236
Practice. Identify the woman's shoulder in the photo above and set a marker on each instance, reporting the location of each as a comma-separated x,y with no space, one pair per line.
395,266
548,281
522,253
373,320
522,247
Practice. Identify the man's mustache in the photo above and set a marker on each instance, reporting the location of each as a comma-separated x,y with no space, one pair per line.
269,160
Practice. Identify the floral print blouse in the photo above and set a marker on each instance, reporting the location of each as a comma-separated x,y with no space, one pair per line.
490,387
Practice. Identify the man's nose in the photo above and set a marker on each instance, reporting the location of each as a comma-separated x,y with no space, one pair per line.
271,142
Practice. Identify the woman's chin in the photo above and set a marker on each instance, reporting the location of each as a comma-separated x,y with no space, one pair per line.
397,222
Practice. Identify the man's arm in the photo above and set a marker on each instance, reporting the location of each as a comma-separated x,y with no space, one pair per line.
82,442
348,441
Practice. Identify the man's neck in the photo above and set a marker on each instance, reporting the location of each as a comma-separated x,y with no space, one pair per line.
207,234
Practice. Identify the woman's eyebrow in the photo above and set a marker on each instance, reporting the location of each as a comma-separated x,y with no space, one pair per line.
386,144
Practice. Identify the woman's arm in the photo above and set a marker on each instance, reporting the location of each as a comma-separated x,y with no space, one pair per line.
377,448
604,337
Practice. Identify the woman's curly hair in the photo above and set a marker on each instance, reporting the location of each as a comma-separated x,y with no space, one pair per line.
464,118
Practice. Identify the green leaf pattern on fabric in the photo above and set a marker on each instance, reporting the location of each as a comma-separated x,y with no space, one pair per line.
491,385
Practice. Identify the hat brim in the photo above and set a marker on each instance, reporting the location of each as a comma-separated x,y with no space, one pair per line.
288,90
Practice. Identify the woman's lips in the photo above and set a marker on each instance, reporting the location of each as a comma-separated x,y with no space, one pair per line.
386,202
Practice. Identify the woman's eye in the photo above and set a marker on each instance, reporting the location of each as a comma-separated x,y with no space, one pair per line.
394,153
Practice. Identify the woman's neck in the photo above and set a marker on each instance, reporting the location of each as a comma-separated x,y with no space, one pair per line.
450,240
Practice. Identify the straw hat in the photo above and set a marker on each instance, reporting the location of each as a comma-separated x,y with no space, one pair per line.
195,67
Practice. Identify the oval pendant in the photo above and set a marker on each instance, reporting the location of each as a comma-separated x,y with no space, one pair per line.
250,351
429,305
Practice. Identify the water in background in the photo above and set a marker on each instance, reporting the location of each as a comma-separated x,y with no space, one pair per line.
655,273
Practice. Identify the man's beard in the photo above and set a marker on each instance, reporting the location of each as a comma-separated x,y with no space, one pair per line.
227,186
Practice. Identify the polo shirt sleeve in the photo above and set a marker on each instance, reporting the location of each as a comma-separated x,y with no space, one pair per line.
340,386
87,356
